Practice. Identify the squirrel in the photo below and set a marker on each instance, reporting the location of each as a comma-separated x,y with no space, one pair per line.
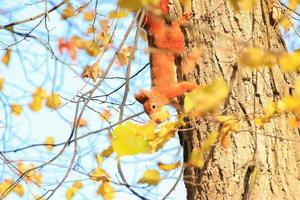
167,40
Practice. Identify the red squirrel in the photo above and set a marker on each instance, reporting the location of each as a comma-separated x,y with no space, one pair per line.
169,41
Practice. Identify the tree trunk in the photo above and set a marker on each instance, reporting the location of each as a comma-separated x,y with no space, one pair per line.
223,33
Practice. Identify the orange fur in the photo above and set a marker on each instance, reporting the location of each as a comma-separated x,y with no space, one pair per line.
170,41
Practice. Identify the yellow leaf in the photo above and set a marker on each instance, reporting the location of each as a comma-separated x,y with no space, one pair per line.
290,62
104,23
105,114
293,4
92,48
91,30
36,104
38,197
106,191
151,177
70,193
256,57
124,56
78,42
40,92
187,5
134,5
198,154
16,109
118,14
166,132
91,72
78,184
243,4
49,142
33,176
131,139
285,22
68,11
6,56
19,189
81,123
53,101
89,16
205,99
107,152
168,167
38,179
99,175
161,115
1,83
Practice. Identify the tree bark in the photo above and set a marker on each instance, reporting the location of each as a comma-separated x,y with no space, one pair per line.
223,33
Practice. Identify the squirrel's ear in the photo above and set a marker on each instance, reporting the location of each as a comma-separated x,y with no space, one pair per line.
141,97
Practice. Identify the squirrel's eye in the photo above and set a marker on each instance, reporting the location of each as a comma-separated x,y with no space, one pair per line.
153,106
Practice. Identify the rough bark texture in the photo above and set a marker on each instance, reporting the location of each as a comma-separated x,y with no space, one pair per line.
223,33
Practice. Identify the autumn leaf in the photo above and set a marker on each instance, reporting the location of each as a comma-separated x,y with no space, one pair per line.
71,191
243,4
1,83
78,42
49,142
151,177
134,5
107,152
16,109
168,167
290,62
118,14
92,48
130,139
293,4
104,23
187,5
124,56
53,101
6,56
81,123
91,30
68,46
205,99
104,38
99,175
106,191
89,16
36,104
105,114
198,154
33,176
256,57
18,189
160,116
68,11
40,92
165,133
91,71
104,154
228,124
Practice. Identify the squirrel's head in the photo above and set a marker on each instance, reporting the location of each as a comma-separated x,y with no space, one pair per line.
152,104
